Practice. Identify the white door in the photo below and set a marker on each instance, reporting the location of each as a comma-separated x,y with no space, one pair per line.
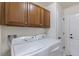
72,33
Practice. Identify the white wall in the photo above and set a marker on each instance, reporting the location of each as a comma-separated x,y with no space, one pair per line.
56,13
52,32
69,11
60,19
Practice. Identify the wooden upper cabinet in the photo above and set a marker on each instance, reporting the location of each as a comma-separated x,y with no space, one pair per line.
46,18
34,14
24,14
14,13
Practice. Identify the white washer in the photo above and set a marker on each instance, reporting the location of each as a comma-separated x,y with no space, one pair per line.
43,47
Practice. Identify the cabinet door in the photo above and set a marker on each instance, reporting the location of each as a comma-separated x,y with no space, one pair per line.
2,13
46,18
33,15
14,13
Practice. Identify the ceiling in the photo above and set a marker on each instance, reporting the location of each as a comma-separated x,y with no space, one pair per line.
63,4
44,3
68,4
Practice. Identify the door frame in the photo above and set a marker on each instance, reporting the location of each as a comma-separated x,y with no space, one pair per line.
66,35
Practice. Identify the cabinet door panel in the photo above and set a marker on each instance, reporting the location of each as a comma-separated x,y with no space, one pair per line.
26,14
33,15
15,13
46,18
42,18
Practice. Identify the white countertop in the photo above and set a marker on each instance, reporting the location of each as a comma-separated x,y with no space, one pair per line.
28,48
